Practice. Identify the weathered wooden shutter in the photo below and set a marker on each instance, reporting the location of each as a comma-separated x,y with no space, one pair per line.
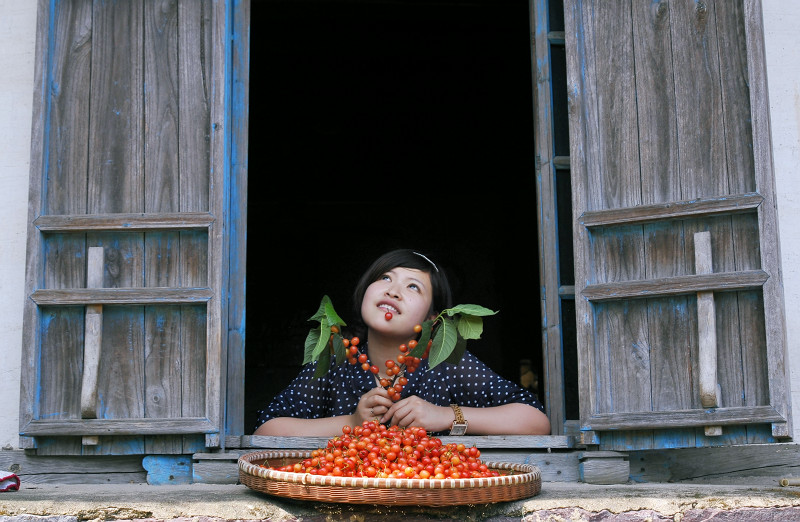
123,345
678,287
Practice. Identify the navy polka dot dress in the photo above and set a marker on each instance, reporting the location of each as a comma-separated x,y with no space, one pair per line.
470,383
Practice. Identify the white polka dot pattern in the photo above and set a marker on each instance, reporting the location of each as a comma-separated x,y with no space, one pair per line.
470,383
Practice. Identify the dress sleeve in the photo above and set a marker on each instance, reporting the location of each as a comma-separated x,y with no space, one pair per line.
332,395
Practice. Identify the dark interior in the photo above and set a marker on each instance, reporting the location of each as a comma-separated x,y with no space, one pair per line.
383,124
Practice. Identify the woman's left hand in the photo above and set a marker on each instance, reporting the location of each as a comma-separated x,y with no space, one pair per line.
413,411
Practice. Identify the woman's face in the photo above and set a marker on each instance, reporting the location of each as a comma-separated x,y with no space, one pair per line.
406,293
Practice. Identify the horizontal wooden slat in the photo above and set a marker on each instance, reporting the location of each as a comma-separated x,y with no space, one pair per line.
149,426
556,37
566,291
682,418
561,162
672,210
481,441
87,222
123,296
689,284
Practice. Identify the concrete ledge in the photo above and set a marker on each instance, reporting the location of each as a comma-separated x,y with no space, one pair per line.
557,501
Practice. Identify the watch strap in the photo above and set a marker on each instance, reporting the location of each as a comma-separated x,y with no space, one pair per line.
460,423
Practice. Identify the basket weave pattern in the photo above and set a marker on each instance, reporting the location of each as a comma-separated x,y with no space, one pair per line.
523,481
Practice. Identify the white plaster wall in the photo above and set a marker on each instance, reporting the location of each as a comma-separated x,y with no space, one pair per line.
17,43
782,40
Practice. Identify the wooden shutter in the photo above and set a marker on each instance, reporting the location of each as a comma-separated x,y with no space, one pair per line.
678,287
123,346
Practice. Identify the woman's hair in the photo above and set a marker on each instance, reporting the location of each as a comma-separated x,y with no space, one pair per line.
405,258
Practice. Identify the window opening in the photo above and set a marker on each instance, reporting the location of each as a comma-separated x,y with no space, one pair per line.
376,125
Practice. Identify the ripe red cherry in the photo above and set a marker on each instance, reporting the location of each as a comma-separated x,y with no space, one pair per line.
388,316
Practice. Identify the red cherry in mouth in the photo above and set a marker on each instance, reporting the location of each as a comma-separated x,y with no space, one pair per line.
388,316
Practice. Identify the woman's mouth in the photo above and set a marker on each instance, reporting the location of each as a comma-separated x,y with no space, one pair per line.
386,307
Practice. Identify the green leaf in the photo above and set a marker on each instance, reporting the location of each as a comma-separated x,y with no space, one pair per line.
470,326
322,342
320,313
330,313
469,309
443,343
424,337
323,364
338,349
458,351
311,341
326,312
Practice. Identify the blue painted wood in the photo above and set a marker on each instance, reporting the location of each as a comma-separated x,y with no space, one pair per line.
168,469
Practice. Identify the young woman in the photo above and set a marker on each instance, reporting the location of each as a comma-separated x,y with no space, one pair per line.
410,287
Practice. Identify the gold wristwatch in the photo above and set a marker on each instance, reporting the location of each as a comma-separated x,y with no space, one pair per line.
460,423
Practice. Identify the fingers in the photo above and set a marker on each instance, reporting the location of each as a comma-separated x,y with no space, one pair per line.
373,404
407,412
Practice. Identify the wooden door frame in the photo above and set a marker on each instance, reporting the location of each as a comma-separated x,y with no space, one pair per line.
236,217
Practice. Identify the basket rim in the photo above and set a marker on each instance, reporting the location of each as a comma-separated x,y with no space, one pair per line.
522,474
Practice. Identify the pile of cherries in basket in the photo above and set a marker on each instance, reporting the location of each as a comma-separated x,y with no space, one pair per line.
375,450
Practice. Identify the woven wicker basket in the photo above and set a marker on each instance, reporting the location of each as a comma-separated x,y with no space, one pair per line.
521,481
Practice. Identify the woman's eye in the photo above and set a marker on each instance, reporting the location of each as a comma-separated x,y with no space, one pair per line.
414,286
385,277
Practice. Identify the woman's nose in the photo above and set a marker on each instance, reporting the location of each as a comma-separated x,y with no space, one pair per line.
392,292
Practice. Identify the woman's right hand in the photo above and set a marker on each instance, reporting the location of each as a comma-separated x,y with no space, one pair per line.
372,405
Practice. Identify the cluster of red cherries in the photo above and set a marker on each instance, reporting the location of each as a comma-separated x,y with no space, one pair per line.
395,369
375,450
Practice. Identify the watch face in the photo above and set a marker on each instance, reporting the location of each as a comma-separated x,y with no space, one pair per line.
458,429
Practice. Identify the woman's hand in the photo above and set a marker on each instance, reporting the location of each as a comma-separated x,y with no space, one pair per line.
413,411
372,405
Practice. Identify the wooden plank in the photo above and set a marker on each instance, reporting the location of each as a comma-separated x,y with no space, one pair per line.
216,468
130,426
163,363
121,296
667,340
161,107
121,374
222,468
678,418
199,72
552,333
774,310
60,364
116,171
585,153
61,360
194,328
555,37
699,207
603,467
668,286
615,180
163,370
237,222
195,358
218,261
34,263
36,469
655,109
168,469
706,322
93,336
717,465
67,107
124,221
481,441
